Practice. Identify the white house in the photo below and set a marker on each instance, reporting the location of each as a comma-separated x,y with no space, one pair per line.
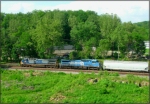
146,44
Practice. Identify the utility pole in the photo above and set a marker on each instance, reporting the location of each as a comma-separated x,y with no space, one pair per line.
118,51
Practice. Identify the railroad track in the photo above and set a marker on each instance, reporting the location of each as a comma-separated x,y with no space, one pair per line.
78,70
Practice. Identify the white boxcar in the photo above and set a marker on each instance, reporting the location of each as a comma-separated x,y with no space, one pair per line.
125,65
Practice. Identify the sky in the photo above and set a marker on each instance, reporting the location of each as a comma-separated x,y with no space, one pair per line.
134,11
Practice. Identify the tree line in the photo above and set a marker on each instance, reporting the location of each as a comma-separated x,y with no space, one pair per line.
35,34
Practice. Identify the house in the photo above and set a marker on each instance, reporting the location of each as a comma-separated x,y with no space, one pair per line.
146,44
63,50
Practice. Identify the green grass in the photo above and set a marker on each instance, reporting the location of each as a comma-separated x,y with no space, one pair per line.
48,87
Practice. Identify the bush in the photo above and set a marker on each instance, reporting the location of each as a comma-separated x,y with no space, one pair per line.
103,90
114,74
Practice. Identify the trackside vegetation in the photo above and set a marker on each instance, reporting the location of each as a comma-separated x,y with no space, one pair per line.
49,87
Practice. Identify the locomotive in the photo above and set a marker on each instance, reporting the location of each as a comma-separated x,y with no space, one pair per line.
64,63
29,62
82,64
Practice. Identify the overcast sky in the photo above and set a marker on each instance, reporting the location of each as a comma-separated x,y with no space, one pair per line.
134,11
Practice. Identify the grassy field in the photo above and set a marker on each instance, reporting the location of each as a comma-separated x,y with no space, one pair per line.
48,87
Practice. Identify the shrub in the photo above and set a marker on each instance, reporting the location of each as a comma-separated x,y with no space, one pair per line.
114,74
103,90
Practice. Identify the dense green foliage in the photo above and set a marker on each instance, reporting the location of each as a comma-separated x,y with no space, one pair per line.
48,87
144,25
35,34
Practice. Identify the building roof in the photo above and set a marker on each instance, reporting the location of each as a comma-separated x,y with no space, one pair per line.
65,47
63,50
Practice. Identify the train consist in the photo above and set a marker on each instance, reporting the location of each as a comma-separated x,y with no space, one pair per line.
87,64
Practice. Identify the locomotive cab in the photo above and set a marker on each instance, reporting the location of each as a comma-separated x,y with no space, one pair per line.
24,61
95,64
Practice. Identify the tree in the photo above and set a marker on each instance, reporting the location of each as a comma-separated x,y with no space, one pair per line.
108,23
129,38
103,48
35,34
6,40
138,41
119,37
84,35
48,33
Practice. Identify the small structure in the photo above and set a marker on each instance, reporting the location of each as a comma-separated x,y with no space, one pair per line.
146,44
63,50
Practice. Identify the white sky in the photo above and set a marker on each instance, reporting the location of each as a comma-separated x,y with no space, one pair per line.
134,11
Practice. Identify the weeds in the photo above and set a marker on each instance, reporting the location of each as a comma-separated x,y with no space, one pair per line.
49,87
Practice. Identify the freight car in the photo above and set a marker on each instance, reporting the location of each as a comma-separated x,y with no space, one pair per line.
28,62
125,65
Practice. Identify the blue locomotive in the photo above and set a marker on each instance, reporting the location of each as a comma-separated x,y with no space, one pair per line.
28,62
84,63
64,63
